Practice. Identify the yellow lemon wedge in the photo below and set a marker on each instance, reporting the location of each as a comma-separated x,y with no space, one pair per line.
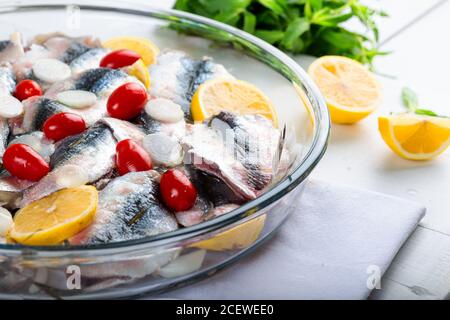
140,71
144,47
237,96
55,218
415,137
350,90
238,237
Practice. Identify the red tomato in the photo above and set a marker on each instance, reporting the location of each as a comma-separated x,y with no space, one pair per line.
127,101
131,157
26,89
177,190
23,162
62,125
119,59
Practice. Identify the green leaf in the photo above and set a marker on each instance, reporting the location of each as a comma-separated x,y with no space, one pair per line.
294,30
410,99
249,22
426,112
272,5
330,19
341,39
316,4
182,5
270,36
221,5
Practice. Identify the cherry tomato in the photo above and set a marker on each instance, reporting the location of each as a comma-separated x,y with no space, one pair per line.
131,157
177,190
62,125
26,89
119,59
23,162
127,101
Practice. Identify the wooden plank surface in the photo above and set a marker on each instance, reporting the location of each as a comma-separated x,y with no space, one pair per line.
421,270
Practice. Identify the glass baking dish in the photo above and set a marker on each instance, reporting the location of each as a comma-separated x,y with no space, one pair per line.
165,261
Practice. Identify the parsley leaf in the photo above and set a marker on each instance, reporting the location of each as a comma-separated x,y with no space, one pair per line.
300,26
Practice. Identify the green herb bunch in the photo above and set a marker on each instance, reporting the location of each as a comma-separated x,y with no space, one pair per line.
313,27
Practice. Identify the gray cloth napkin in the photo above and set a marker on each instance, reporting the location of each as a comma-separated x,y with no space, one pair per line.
335,245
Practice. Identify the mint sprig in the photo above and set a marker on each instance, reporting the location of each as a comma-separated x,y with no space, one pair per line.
411,102
313,27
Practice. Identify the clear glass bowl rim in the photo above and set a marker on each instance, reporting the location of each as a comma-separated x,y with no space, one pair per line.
299,174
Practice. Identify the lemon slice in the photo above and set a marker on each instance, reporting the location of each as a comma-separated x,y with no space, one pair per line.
146,49
140,71
350,90
238,237
415,137
56,217
237,96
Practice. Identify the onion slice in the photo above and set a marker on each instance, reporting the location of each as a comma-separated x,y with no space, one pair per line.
184,264
77,99
163,149
51,70
10,107
164,110
6,221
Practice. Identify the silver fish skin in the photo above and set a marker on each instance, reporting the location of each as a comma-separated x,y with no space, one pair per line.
12,49
11,189
7,80
7,87
128,209
150,125
63,47
202,206
4,134
92,151
176,77
88,60
124,130
239,150
101,81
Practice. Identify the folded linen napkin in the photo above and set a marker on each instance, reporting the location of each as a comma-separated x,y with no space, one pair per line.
335,244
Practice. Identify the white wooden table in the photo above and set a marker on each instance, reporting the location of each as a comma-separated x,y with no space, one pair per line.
356,155
417,33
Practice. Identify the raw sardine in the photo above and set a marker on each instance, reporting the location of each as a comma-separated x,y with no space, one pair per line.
124,130
176,77
4,133
88,60
63,47
7,80
202,206
239,150
38,142
54,46
11,189
101,81
12,49
150,125
92,151
38,109
128,209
